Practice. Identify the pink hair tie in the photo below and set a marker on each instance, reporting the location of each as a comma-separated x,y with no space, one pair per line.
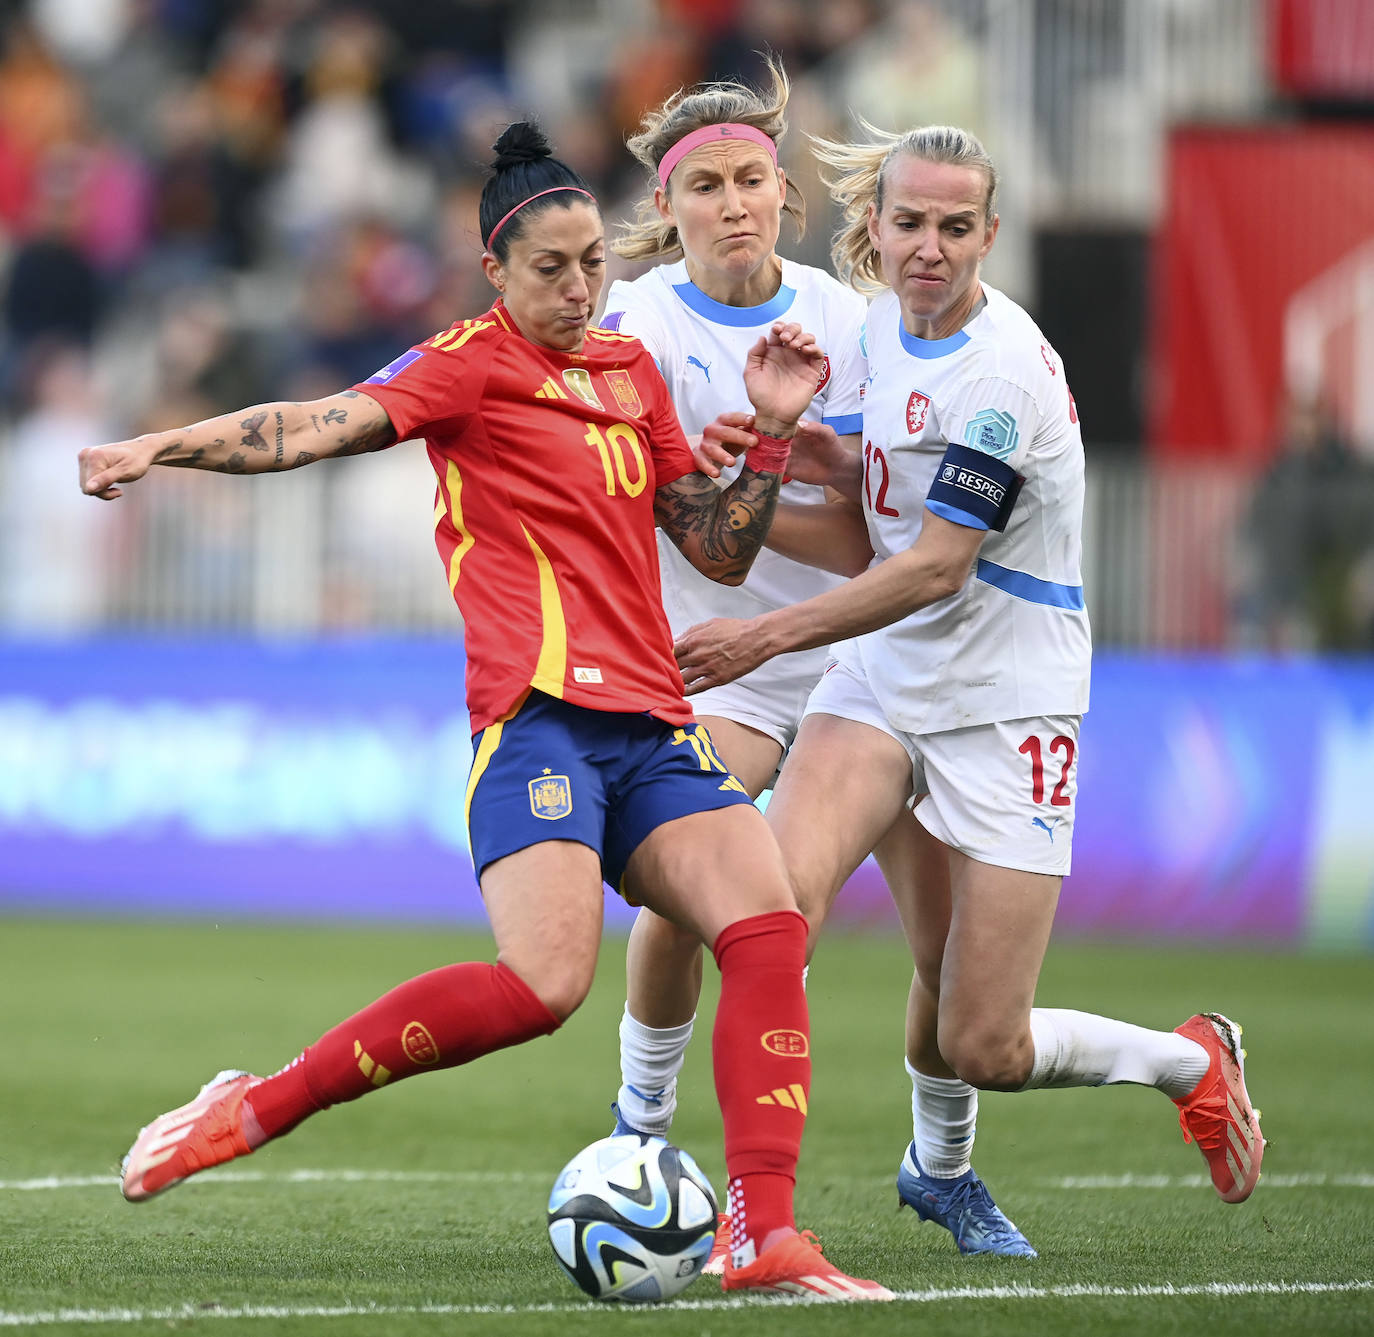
706,135
507,217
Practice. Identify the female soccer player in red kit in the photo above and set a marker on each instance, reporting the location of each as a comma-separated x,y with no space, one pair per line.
556,450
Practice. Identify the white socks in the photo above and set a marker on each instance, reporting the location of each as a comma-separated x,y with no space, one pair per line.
1080,1049
944,1114
650,1061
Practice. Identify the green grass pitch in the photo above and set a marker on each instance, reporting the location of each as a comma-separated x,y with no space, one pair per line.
419,1210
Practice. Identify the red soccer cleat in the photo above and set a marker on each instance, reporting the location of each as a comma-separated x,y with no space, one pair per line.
204,1132
796,1266
1217,1113
720,1250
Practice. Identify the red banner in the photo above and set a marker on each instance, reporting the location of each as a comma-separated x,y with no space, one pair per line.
1323,49
1263,287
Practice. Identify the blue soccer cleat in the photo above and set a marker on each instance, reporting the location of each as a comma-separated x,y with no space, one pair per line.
623,1129
963,1206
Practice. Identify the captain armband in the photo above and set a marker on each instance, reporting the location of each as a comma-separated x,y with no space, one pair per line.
974,489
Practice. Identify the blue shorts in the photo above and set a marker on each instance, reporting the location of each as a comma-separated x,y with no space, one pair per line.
559,772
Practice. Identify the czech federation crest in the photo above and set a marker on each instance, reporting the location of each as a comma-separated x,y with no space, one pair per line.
917,406
551,797
626,395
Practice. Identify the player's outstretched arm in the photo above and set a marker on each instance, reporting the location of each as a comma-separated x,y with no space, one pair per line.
264,439
933,568
833,537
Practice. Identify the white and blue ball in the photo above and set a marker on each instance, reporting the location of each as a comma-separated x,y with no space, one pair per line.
632,1219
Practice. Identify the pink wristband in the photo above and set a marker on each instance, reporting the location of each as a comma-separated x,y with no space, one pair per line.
770,455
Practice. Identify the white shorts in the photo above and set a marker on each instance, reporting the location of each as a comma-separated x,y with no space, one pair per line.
771,699
1003,793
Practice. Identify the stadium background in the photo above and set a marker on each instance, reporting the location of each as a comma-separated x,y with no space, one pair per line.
245,697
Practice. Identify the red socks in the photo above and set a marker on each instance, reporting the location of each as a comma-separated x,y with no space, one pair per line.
762,1053
437,1020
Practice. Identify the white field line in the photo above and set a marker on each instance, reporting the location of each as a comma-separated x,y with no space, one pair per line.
49,1183
1219,1289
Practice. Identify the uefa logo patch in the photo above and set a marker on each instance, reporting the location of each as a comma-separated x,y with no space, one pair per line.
917,407
551,797
948,472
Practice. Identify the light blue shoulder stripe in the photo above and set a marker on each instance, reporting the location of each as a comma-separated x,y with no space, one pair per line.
845,424
1030,588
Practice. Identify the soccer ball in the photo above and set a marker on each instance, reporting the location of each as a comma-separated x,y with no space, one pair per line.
632,1219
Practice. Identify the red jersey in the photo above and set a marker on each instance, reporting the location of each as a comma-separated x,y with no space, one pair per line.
547,464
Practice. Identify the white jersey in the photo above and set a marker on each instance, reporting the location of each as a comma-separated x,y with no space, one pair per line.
1014,641
700,347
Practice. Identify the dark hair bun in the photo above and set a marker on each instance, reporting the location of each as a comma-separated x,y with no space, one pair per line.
521,143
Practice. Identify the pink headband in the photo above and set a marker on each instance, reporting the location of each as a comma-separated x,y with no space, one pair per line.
708,133
506,219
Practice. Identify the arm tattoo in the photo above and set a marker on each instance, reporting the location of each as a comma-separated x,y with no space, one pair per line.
252,437
348,394
237,463
281,429
303,457
336,415
165,451
727,528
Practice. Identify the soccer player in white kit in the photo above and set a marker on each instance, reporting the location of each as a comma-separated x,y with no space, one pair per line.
718,205
965,678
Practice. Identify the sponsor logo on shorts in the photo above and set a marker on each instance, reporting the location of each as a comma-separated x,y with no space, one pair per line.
419,1044
1047,827
551,796
917,407
786,1044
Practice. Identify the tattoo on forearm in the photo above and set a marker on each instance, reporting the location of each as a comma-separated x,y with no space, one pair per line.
727,527
237,463
336,415
348,394
303,457
281,442
315,418
252,437
165,451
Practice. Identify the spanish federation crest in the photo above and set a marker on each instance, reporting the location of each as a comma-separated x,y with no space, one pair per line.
626,395
551,797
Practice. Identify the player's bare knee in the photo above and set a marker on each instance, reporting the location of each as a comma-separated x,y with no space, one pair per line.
561,985
988,1061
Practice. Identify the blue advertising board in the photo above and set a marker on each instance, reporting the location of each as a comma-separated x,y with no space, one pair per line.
1218,799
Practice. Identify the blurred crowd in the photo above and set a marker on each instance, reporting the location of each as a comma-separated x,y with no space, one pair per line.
211,203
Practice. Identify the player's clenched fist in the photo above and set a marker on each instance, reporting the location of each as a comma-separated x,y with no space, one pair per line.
718,651
104,467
